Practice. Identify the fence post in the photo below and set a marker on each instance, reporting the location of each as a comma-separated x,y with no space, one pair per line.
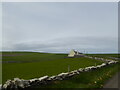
68,68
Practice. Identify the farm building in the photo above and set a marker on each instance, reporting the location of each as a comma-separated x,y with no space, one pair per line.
74,53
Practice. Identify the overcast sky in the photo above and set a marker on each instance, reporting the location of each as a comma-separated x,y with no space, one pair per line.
60,27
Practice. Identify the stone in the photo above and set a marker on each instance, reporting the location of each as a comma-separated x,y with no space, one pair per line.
71,74
43,78
0,86
52,78
89,68
26,83
19,82
58,78
7,83
86,69
33,80
103,64
80,70
94,67
98,66
75,72
63,75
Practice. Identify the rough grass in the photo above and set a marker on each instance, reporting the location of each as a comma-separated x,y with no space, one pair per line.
49,64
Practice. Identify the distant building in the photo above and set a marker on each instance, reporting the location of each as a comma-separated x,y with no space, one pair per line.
74,53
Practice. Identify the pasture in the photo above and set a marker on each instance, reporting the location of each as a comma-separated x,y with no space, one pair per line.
29,65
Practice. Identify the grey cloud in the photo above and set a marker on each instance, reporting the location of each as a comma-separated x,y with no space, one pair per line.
94,44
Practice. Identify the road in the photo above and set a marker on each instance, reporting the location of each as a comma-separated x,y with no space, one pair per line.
114,82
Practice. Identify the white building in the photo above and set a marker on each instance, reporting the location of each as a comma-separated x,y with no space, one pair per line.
74,53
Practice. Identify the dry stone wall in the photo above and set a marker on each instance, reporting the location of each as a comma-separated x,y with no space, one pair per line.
22,84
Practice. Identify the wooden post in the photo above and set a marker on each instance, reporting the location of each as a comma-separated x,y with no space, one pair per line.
95,64
68,68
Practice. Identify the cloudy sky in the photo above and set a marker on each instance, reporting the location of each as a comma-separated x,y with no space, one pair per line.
60,27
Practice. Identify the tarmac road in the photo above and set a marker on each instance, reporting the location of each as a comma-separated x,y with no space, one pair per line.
114,82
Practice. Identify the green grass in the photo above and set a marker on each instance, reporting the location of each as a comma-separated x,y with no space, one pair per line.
30,56
92,79
49,64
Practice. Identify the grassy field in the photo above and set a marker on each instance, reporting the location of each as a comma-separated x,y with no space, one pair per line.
47,64
30,56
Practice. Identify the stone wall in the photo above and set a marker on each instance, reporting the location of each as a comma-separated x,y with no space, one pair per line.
21,83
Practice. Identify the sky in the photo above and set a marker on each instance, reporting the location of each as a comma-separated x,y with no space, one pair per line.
60,0
90,27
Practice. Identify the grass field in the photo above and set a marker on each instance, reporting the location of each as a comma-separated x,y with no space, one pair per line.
41,64
30,56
